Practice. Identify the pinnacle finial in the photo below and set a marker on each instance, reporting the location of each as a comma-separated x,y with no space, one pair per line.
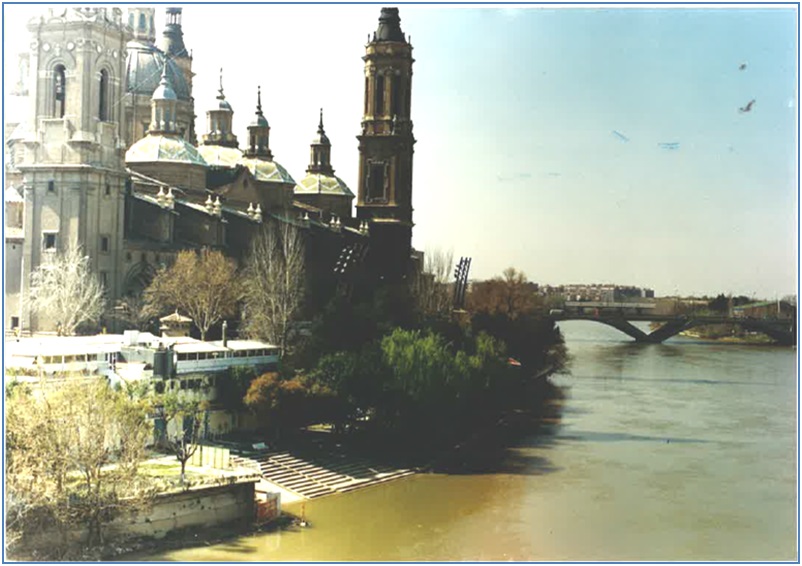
259,100
320,125
221,96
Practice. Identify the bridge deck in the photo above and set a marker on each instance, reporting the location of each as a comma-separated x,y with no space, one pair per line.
782,330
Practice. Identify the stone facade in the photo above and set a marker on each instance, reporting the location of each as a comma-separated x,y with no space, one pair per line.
104,159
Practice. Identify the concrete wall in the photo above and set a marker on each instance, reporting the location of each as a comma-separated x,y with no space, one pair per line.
203,507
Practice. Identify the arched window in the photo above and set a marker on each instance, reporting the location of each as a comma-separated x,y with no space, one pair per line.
142,22
59,91
131,20
103,109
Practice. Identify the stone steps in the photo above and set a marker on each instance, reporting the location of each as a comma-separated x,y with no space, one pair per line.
321,475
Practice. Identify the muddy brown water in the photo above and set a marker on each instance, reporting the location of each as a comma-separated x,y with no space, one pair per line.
678,451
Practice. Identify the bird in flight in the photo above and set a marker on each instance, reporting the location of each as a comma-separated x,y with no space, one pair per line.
620,136
748,107
742,67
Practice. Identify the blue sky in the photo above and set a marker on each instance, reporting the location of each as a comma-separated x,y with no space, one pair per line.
515,109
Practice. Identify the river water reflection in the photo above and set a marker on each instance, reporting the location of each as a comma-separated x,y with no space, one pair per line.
678,451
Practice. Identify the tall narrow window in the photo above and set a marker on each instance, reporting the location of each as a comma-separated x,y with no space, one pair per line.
103,110
59,91
104,244
376,182
378,107
51,186
142,22
395,96
367,93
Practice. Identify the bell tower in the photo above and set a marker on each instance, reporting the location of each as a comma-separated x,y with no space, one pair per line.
386,147
73,170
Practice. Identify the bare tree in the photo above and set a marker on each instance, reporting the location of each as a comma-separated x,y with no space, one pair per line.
73,458
274,282
510,294
66,291
204,285
430,286
187,414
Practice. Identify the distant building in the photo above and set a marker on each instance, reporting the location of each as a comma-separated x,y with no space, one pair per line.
599,292
765,309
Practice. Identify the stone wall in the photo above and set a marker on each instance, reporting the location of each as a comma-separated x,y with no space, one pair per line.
201,507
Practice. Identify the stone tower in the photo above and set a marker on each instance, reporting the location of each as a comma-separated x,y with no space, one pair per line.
72,169
386,147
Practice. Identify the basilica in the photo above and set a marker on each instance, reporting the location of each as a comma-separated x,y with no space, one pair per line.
108,156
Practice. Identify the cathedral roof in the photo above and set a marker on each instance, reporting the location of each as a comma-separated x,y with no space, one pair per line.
318,183
144,68
263,170
220,156
164,148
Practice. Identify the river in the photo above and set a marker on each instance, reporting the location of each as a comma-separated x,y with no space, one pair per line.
678,451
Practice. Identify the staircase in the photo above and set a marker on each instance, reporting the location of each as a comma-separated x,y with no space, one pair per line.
323,474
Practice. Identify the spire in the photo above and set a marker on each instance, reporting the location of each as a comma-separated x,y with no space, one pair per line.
321,138
220,121
165,88
259,132
162,104
320,152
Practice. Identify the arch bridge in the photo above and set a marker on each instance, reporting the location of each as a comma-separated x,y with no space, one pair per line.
781,330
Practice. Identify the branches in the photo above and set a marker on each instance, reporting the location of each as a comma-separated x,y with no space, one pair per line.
66,290
203,285
274,282
430,288
73,456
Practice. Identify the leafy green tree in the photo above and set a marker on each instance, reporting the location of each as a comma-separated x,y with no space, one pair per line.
284,403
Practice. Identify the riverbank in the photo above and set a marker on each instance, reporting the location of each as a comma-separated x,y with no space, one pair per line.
743,340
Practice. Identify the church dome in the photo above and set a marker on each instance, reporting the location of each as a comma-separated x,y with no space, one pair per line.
263,170
220,156
318,183
321,138
259,121
154,148
144,68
